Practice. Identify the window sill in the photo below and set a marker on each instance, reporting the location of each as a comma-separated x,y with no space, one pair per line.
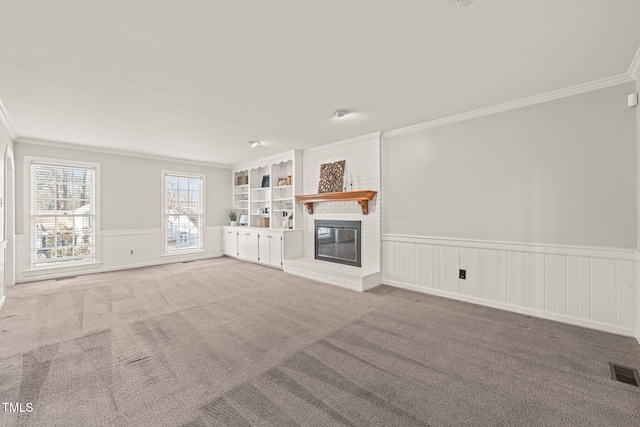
46,270
178,254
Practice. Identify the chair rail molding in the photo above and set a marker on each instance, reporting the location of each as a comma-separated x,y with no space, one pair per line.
116,247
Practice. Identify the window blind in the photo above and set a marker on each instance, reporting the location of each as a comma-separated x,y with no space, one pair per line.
62,213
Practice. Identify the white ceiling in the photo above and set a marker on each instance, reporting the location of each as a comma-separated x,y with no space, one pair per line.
198,79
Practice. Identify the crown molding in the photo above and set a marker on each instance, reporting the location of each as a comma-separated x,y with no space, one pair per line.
367,137
4,117
634,68
68,146
511,105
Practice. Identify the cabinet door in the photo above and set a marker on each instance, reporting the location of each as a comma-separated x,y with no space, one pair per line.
275,250
252,245
243,244
263,247
225,241
231,243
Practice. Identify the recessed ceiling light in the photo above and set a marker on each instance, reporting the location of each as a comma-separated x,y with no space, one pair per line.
253,144
340,113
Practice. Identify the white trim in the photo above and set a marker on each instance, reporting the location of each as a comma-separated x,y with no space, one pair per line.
65,269
637,336
28,200
10,215
112,233
634,68
117,152
139,231
594,252
511,105
4,117
2,301
516,309
116,268
183,254
203,204
361,138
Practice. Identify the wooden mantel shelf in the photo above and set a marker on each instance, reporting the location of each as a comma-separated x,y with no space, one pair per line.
361,196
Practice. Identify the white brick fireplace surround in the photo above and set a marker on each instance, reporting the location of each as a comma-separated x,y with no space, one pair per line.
362,172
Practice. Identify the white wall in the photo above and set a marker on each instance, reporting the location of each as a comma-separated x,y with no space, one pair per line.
362,156
131,206
562,172
133,182
538,205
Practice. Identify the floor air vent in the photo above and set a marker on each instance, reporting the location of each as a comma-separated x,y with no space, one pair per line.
65,278
624,374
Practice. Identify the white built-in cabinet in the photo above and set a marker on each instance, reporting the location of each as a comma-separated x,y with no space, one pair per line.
264,246
248,244
264,191
230,241
270,248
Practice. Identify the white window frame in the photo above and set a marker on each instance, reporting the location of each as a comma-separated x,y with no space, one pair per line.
201,232
29,216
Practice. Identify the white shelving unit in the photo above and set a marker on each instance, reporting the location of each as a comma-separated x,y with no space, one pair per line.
266,240
270,202
241,192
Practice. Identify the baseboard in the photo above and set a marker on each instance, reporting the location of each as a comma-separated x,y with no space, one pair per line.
115,268
254,262
637,336
517,309
366,287
2,301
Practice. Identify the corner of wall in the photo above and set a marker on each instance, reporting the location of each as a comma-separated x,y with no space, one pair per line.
636,64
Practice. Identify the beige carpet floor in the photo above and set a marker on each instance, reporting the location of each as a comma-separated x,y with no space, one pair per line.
222,342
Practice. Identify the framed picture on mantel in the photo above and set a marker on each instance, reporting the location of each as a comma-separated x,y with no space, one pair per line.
331,177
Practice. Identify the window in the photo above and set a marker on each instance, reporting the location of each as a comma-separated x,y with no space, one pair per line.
183,211
63,213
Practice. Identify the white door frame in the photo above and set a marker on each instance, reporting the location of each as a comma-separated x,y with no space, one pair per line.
10,217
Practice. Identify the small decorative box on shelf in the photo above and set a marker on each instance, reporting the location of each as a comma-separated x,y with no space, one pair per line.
361,196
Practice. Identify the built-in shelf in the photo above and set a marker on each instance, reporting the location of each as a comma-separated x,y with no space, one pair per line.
249,190
360,196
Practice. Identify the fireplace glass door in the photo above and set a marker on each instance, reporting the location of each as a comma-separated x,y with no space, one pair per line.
338,241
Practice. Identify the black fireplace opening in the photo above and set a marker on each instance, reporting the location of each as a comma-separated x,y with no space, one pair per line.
338,241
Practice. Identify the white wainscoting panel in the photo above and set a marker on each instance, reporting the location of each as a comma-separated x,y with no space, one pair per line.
590,287
122,249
